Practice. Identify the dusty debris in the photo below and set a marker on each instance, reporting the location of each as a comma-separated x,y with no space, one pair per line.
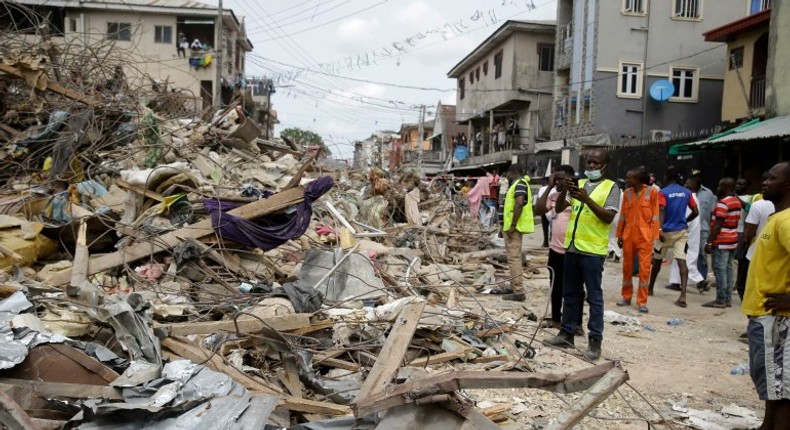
160,265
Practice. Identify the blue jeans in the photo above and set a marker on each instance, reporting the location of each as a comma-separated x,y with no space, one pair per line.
582,270
722,269
702,261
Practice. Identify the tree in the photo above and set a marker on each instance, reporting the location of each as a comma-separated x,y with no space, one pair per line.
306,138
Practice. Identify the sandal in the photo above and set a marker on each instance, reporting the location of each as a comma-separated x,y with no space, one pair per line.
502,290
673,287
702,286
681,304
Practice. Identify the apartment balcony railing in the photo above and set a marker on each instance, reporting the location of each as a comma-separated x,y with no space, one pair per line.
757,97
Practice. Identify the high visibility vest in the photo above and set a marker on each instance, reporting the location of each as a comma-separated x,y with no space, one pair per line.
526,222
587,232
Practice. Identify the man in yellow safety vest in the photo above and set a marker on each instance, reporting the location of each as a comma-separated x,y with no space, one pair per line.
594,203
517,220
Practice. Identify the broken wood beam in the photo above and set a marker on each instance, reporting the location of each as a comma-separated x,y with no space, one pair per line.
409,392
391,355
143,192
52,86
599,392
246,325
61,390
198,230
440,358
199,355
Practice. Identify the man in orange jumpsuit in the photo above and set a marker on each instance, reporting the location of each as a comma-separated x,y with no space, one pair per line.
637,230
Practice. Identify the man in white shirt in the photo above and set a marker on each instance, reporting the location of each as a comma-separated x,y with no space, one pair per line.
544,221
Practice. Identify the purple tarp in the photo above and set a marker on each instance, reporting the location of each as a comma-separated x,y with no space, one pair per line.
267,232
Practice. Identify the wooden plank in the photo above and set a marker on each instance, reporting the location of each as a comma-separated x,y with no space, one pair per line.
53,86
599,392
490,358
340,364
147,193
198,230
391,355
314,327
79,268
411,392
246,324
440,358
10,130
63,390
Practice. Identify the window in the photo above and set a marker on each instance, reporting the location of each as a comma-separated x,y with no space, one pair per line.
736,58
757,6
461,88
634,7
688,9
472,77
685,82
119,31
546,58
163,34
630,80
485,68
498,65
72,25
477,73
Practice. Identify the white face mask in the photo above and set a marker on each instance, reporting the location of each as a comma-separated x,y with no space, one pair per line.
593,175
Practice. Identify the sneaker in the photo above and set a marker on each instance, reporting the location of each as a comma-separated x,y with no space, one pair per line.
642,309
623,302
673,287
561,340
514,297
714,304
579,331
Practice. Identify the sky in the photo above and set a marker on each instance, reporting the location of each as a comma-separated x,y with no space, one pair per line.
367,65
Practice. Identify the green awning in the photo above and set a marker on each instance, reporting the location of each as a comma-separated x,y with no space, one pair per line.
712,142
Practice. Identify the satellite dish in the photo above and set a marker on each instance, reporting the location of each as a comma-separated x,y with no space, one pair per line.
662,90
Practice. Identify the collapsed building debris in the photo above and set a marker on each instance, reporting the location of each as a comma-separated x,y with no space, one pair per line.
180,271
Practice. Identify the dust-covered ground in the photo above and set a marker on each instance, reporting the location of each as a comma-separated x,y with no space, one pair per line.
686,365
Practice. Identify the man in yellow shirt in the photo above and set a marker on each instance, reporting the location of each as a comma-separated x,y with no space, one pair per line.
767,303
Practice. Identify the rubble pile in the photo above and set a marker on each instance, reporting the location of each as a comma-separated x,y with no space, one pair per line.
161,270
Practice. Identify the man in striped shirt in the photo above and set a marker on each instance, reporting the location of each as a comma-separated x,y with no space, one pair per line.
723,242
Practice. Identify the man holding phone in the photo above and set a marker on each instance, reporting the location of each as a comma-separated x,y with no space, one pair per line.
594,203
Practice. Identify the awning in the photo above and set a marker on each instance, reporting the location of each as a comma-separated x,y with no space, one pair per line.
437,135
752,130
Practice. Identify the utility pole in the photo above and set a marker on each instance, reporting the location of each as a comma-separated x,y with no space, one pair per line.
420,140
218,58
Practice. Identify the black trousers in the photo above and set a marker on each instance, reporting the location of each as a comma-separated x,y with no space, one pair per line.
557,264
740,280
544,224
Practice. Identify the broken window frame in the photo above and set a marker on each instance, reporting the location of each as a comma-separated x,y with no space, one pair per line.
498,57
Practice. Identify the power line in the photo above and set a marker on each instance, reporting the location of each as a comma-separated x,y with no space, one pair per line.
329,22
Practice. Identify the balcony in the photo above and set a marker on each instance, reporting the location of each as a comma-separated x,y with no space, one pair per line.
564,47
757,95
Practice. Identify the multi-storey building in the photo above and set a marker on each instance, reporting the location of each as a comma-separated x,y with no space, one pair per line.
148,36
505,88
611,53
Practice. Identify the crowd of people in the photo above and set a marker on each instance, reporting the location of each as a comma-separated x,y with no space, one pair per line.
647,222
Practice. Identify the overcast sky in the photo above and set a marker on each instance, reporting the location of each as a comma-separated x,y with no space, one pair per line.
433,35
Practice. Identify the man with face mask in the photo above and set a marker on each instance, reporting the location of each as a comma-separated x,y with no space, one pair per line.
594,203
517,220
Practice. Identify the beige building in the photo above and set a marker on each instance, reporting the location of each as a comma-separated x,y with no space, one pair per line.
506,84
747,61
148,34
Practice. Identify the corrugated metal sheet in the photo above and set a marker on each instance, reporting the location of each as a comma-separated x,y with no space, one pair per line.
771,128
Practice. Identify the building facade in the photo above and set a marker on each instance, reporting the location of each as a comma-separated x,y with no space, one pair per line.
148,37
504,87
610,53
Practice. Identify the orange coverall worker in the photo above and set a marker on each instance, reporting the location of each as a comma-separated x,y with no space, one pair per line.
638,229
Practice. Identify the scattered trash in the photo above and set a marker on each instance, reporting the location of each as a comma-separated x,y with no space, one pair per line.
675,321
741,369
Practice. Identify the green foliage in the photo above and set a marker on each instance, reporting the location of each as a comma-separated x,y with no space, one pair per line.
306,138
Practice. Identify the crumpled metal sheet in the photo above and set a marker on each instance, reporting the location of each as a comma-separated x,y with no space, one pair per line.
355,278
187,396
12,351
